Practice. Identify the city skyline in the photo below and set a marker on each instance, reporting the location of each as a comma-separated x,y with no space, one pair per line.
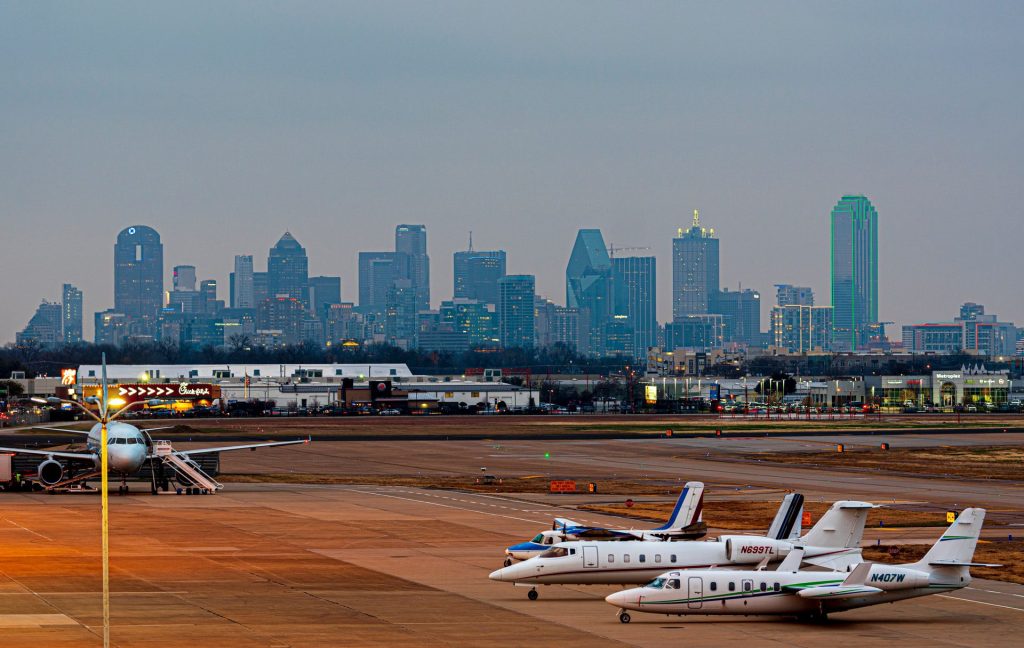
521,134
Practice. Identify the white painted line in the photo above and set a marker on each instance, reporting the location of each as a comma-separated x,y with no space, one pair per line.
957,598
457,508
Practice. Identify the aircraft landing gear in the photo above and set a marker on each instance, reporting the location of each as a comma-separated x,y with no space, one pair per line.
532,595
624,617
123,488
508,562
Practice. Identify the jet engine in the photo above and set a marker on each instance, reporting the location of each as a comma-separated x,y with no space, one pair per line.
50,472
749,550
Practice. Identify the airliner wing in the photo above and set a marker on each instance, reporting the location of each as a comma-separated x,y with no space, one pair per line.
251,446
64,430
85,456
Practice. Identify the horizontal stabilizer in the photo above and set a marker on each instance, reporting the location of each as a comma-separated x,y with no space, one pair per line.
859,575
792,561
838,561
561,523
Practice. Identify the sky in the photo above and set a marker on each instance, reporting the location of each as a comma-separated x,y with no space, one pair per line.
224,124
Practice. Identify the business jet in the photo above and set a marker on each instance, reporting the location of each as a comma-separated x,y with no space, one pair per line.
683,524
811,595
833,543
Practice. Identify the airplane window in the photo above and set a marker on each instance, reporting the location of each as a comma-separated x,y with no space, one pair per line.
673,583
714,586
732,586
572,552
657,558
538,538
549,540
657,583
625,558
611,558
643,558
777,588
673,557
764,587
747,585
555,552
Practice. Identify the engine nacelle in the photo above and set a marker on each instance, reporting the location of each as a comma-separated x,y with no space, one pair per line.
50,472
885,577
745,550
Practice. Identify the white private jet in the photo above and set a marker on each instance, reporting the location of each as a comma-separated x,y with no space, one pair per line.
683,524
805,594
833,543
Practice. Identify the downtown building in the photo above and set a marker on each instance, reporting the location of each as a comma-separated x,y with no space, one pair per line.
516,315
797,325
854,236
476,274
138,288
974,332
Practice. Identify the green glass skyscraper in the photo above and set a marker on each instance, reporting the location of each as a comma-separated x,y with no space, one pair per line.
854,273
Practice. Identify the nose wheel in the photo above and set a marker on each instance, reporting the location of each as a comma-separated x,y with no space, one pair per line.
123,488
532,595
508,562
624,617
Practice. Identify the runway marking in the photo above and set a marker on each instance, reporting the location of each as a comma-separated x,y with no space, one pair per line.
457,508
957,598
995,592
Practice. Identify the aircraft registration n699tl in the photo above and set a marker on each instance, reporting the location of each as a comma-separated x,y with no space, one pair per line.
833,543
810,594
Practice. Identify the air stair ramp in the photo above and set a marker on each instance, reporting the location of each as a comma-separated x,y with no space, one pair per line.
186,469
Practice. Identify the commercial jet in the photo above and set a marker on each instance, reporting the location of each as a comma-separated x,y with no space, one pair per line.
128,450
833,543
811,594
683,524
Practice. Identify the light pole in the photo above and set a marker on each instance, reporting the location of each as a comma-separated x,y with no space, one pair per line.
103,419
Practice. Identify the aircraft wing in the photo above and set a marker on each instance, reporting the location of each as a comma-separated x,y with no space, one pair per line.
594,533
163,427
693,531
64,430
251,446
85,456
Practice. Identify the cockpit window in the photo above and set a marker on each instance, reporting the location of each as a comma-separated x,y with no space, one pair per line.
555,552
657,583
538,538
673,583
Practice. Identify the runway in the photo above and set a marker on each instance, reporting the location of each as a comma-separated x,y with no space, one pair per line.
274,565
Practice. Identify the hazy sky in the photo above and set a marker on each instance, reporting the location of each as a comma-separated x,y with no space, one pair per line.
223,124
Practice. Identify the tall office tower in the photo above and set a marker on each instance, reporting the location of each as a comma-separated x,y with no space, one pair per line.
260,287
799,328
208,302
72,314
46,327
323,291
742,312
378,272
635,297
477,273
411,240
288,270
477,320
694,271
400,314
589,285
283,314
242,294
790,295
516,311
184,278
139,274
854,273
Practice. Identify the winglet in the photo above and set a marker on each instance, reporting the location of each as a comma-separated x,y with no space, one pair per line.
792,561
859,575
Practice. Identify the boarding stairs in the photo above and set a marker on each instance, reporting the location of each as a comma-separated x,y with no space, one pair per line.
75,480
184,467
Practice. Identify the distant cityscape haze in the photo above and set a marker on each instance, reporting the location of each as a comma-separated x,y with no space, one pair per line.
224,126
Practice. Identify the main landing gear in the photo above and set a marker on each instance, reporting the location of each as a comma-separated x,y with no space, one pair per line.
532,595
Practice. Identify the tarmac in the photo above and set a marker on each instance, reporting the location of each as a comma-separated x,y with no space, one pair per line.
368,565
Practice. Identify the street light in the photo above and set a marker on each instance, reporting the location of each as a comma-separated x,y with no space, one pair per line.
104,418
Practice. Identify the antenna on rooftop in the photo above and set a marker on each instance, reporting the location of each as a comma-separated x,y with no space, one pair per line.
470,240
696,218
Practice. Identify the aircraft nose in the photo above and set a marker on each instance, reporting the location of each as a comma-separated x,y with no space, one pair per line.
498,574
125,458
624,599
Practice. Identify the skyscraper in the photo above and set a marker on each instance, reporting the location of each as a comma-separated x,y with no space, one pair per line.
635,297
695,279
742,312
183,277
288,270
45,328
139,274
243,295
323,291
411,241
477,273
400,315
515,310
72,314
790,295
588,285
378,272
854,272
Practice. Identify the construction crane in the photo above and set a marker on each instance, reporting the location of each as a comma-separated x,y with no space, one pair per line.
612,249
